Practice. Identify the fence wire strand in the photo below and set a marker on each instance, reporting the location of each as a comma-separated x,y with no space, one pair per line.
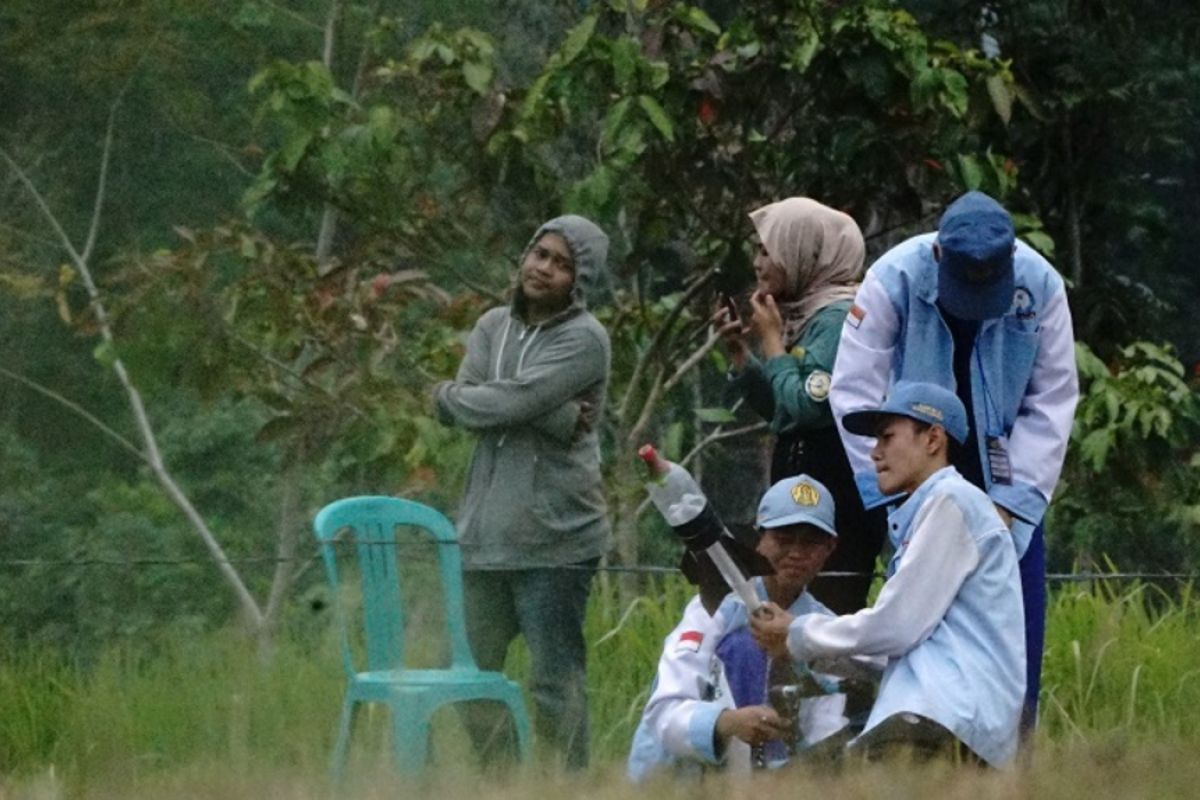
629,569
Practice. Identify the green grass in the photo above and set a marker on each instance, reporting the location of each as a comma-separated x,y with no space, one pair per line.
206,716
1123,663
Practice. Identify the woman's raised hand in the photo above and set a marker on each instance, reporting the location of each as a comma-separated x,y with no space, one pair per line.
732,332
767,323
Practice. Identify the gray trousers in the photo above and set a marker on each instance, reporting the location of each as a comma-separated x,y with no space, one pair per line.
547,607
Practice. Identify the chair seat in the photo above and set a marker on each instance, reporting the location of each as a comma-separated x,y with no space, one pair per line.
401,678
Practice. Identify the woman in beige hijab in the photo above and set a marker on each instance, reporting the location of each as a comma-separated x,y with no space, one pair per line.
808,263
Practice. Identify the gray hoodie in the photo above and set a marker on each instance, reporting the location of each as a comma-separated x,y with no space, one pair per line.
534,494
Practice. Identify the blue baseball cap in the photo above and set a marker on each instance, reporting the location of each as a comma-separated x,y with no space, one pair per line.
924,402
795,501
975,271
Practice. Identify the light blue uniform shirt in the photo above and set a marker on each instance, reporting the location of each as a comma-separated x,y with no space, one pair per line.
949,620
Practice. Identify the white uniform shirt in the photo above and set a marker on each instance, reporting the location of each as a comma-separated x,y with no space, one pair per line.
691,690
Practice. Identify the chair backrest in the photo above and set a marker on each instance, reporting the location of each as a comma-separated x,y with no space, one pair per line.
373,522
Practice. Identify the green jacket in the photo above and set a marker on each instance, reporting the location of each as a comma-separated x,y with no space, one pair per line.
792,390
534,494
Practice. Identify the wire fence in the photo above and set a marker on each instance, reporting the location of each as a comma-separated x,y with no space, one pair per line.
628,569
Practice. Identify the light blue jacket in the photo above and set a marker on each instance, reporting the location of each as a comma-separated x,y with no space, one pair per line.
1024,385
949,620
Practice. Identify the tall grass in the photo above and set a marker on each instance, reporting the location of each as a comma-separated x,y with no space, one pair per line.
1121,667
139,709
1123,662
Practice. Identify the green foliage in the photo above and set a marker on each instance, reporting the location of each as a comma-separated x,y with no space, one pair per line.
1105,129
667,131
1131,484
1143,403
338,364
438,148
658,122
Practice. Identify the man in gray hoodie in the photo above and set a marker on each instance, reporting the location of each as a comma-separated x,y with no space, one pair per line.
533,522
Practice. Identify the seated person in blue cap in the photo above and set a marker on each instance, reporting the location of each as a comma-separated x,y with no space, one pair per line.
709,703
949,619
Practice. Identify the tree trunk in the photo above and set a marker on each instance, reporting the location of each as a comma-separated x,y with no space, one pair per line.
1074,226
286,540
626,499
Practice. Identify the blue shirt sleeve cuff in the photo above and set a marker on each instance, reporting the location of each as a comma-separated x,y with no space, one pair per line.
1022,534
702,732
1022,500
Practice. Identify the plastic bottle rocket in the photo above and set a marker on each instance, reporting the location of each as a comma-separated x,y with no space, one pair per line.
683,505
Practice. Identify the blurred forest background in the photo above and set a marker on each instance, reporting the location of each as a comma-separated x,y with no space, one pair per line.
241,239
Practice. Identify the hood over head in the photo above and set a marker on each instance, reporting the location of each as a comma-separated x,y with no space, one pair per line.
589,250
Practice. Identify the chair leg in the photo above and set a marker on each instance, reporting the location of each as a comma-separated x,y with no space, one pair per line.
520,724
341,746
410,739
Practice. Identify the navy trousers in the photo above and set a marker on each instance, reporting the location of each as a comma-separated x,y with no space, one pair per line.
1033,590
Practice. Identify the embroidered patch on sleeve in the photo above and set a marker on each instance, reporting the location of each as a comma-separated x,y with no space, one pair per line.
689,642
817,384
856,315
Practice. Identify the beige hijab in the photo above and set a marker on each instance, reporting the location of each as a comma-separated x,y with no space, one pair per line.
821,251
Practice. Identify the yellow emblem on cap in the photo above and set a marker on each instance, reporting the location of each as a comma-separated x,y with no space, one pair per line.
928,410
805,494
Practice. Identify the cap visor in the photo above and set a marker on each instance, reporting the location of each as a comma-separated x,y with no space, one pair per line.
799,518
976,302
862,423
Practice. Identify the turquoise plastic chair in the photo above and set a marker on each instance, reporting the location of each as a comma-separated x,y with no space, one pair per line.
412,695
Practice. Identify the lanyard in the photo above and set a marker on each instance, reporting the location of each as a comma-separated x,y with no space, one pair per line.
991,413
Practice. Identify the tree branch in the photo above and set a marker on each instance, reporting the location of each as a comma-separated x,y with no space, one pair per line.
709,343
291,372
335,11
656,343
286,541
226,151
80,411
151,454
635,432
303,20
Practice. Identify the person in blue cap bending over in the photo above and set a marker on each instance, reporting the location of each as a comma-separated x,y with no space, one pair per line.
949,618
709,705
974,310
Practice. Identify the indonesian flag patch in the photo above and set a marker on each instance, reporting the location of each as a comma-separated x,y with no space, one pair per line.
856,316
689,642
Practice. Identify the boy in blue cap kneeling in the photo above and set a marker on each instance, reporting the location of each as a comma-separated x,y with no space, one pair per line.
949,620
709,705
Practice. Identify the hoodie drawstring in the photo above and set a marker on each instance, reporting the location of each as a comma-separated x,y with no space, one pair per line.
525,349
500,349
533,332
